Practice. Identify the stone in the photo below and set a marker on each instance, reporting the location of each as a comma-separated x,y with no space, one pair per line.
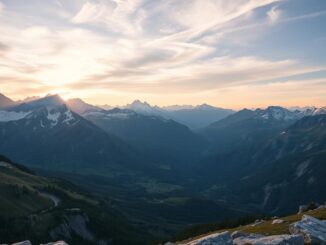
223,238
270,240
313,230
238,234
23,243
303,208
277,221
258,222
56,243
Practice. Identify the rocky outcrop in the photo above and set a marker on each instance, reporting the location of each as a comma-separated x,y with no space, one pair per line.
239,238
253,239
56,243
313,230
29,243
307,231
223,238
73,224
277,221
23,243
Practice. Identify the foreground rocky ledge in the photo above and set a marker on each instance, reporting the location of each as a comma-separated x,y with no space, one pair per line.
29,243
307,231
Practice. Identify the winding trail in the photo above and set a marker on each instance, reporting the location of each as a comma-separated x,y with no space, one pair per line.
56,200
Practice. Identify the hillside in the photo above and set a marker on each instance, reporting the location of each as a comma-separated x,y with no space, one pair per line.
40,209
163,140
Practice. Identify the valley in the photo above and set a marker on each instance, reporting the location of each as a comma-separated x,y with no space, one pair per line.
162,176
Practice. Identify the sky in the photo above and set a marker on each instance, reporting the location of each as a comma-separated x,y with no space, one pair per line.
233,54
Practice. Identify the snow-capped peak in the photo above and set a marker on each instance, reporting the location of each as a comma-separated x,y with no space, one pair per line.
277,113
144,108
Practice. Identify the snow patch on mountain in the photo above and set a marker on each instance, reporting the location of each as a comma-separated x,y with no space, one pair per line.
277,113
53,116
7,116
302,168
109,115
69,117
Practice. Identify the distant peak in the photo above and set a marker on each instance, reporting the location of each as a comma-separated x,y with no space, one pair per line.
49,100
76,100
204,106
276,108
138,102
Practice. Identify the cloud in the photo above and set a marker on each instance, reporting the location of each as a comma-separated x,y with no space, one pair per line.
142,47
274,14
98,11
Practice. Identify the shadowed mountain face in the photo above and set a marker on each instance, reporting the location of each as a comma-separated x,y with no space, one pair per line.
290,168
161,139
162,174
49,135
286,170
199,116
194,117
248,128
39,208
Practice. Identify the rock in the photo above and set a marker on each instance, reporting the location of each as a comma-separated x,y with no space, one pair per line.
313,230
270,240
303,208
169,243
277,221
23,243
238,234
56,243
258,222
223,238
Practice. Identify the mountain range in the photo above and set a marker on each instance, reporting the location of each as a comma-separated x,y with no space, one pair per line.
166,168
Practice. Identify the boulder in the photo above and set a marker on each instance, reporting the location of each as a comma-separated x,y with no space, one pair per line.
223,238
56,243
302,209
23,243
277,221
238,234
270,240
258,222
313,230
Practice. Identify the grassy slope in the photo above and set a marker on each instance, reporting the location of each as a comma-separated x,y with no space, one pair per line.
267,228
24,214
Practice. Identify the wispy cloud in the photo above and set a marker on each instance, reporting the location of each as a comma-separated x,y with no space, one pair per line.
140,46
274,14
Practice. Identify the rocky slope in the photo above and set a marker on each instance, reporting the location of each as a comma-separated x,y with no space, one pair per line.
291,230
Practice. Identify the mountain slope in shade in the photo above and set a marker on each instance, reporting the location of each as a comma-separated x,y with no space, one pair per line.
199,116
248,127
194,117
37,208
160,138
5,102
54,137
287,170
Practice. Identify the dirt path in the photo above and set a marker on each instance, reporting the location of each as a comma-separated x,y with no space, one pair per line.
56,200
